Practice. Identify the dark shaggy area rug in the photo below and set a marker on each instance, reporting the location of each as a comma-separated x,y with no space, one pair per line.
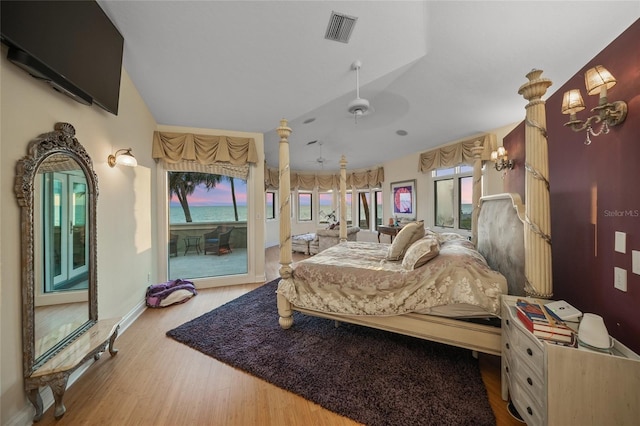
371,376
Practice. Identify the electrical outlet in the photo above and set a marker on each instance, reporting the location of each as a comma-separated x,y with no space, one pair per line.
620,278
620,242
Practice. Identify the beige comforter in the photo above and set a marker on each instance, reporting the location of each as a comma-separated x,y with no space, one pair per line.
353,278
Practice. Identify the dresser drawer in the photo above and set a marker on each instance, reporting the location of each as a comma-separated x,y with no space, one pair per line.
507,322
528,349
507,369
531,382
509,338
529,409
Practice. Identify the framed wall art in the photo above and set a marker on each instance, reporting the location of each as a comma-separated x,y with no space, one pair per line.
403,199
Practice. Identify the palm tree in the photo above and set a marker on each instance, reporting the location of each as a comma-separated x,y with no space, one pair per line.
184,183
233,197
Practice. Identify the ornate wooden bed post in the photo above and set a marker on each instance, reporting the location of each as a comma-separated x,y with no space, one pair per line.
537,232
284,306
477,189
343,199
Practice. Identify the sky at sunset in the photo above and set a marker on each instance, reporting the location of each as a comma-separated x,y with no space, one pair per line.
219,196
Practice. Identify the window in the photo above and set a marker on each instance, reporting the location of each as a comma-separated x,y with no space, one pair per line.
199,203
453,189
465,210
325,207
378,211
364,210
349,212
444,203
305,207
270,205
369,212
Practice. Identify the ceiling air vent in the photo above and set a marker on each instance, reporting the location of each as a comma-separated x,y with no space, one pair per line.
340,27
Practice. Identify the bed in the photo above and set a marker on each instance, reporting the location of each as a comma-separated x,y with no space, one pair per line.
500,248
356,278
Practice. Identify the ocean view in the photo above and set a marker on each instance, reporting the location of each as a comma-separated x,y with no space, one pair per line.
207,214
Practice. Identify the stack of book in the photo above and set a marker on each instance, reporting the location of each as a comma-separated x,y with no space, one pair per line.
544,323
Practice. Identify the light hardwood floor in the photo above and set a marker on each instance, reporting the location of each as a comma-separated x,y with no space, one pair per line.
155,380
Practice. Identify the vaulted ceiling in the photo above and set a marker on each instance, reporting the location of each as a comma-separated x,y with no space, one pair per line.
437,70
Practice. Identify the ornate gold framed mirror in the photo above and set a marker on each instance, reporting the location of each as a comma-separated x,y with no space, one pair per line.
57,189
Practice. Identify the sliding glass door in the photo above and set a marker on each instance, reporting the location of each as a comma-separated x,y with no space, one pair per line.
66,241
207,225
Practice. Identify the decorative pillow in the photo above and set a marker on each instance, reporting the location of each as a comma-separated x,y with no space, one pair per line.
421,252
169,293
178,296
443,237
409,234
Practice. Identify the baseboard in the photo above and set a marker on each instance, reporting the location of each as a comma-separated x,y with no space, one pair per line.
132,316
25,416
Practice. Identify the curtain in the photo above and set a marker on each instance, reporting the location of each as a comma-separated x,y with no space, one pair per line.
203,149
456,154
308,181
225,169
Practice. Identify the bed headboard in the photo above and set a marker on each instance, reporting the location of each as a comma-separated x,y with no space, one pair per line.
501,237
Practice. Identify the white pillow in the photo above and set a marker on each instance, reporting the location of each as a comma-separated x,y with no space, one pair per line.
421,252
409,234
178,296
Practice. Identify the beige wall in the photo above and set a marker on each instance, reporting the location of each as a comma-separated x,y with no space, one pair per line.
126,247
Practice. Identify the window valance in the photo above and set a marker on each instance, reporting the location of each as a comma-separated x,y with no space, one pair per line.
359,179
204,149
225,169
456,154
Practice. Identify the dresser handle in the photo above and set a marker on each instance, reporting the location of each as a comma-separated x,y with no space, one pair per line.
530,411
529,351
529,381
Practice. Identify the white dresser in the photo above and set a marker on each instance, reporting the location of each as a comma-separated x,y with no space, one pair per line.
558,385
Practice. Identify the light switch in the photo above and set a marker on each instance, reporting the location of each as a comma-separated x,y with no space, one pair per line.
635,261
621,242
620,278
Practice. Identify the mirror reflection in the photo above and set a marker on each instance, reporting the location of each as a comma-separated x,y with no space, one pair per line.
61,299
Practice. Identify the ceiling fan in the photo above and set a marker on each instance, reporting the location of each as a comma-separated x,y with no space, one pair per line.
359,106
320,160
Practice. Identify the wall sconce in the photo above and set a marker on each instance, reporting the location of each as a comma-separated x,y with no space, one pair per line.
500,158
123,157
597,80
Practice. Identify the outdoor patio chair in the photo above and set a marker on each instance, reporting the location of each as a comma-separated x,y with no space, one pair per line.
217,241
173,245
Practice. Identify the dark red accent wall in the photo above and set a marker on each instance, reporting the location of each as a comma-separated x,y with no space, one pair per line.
514,144
595,191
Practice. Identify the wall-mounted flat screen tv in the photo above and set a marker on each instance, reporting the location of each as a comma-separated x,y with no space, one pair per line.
73,45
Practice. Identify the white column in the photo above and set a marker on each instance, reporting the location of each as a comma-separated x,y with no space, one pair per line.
343,199
284,306
477,189
537,233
